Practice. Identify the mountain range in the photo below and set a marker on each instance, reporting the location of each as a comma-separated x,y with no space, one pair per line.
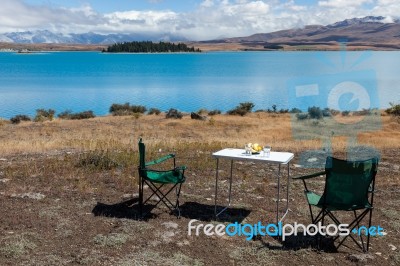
371,32
45,36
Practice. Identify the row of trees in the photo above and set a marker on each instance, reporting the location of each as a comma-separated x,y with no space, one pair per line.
150,47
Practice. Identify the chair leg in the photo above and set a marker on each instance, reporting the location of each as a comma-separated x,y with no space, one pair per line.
369,226
140,196
178,191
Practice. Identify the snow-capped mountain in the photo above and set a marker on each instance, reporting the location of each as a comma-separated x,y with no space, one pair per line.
45,36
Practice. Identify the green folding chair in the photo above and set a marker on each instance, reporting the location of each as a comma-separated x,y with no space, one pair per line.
349,186
160,182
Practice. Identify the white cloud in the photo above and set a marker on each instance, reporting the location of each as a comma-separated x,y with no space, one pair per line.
209,20
343,3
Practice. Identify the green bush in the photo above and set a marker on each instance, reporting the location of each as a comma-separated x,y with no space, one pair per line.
214,112
302,116
345,113
44,115
76,116
394,109
284,111
326,112
295,111
154,111
126,109
242,109
315,112
18,118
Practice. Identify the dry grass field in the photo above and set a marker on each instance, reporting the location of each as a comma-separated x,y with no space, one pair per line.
68,189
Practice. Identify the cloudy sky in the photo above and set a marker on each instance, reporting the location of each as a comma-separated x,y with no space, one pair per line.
191,19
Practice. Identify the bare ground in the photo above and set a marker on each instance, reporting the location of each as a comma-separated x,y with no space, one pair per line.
61,208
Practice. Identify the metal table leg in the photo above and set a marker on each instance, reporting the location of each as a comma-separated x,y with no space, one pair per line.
278,194
216,190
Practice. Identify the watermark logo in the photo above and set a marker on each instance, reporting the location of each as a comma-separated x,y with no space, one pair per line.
249,231
341,99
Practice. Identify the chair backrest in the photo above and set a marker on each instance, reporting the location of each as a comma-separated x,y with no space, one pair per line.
142,154
347,182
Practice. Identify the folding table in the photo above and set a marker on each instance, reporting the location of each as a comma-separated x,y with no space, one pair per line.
279,158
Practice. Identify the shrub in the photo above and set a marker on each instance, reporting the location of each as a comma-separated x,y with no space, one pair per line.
295,111
126,109
18,118
315,112
44,115
83,115
394,109
242,109
326,112
154,111
284,111
345,113
173,113
302,116
214,112
363,112
65,115
202,111
77,116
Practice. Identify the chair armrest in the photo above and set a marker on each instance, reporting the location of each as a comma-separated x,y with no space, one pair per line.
160,160
309,176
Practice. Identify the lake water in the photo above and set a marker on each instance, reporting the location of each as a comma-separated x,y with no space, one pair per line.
81,81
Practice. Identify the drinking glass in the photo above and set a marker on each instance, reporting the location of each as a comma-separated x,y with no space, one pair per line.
267,150
247,149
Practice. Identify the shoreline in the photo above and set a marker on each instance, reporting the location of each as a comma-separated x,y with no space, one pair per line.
208,47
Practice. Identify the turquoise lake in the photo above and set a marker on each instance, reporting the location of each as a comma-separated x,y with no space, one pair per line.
81,81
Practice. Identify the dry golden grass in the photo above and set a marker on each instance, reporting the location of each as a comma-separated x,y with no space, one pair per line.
122,132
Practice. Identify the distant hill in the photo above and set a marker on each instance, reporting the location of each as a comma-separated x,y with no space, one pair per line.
374,32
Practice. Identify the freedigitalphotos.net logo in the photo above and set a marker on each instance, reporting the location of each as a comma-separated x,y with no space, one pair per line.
347,94
249,231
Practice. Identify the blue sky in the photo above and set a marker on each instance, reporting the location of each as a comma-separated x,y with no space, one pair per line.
187,19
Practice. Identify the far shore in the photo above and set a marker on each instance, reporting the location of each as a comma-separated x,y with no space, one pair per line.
212,46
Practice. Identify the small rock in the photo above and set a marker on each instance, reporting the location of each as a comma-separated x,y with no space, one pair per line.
259,197
29,195
170,225
360,257
127,196
3,159
392,247
154,243
378,253
183,243
209,199
4,180
273,184
311,160
297,165
197,116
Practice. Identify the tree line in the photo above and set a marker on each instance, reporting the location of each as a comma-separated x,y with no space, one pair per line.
150,47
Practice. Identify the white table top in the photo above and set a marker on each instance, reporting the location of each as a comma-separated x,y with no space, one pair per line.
239,154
